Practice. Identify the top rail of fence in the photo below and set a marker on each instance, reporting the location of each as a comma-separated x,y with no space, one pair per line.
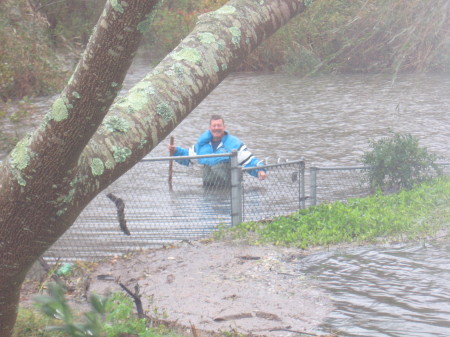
188,157
340,168
293,162
344,168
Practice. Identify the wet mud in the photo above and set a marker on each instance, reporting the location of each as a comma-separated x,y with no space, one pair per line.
218,286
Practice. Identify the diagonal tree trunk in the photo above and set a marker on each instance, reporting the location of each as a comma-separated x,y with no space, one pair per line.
84,143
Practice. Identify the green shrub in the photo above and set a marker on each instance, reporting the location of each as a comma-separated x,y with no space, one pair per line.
108,317
54,305
398,162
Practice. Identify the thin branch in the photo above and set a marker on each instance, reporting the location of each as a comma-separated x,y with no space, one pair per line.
49,4
50,271
136,298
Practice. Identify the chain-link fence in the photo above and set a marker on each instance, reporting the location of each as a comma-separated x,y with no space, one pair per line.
328,184
156,203
281,194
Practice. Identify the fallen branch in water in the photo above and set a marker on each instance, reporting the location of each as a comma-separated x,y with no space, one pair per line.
120,205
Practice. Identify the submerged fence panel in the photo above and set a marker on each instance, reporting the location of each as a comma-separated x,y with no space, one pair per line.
328,184
282,193
143,204
143,210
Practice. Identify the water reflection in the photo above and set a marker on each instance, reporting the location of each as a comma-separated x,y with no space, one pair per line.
400,291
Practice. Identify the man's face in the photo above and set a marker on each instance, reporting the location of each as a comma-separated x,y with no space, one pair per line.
217,128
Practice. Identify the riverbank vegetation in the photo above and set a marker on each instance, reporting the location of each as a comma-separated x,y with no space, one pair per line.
398,162
41,40
409,214
111,316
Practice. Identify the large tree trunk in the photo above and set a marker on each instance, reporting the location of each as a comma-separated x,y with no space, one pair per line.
84,144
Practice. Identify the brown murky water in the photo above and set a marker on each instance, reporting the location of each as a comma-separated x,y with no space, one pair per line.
401,290
328,120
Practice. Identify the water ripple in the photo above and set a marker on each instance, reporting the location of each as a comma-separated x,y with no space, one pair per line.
386,291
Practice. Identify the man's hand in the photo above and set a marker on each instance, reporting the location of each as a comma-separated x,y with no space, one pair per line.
262,175
171,148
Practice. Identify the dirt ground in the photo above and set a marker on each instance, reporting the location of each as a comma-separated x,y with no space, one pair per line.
218,286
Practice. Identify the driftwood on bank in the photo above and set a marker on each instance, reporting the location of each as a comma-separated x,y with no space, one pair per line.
136,298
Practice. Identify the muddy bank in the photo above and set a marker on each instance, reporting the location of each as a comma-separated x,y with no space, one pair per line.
219,286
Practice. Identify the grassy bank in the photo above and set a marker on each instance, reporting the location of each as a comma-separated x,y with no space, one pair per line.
418,212
412,214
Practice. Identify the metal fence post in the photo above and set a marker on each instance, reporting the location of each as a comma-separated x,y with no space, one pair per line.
313,185
302,182
236,190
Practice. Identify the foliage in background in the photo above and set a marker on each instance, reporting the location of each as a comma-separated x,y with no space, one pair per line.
414,213
376,35
173,21
332,36
69,21
397,162
28,64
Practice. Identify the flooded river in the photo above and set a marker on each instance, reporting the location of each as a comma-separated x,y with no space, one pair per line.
378,291
401,290
329,120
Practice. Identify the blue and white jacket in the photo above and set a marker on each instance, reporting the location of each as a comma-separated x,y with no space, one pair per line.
229,143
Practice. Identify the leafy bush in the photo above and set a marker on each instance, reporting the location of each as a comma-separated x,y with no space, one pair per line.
398,162
108,317
55,306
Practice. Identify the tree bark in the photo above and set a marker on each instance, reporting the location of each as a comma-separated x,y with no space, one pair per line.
84,143
37,179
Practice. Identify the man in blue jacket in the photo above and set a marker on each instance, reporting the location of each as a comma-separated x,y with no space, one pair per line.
215,141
